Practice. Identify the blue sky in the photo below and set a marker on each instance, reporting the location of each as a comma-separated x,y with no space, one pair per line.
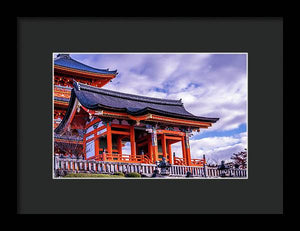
213,85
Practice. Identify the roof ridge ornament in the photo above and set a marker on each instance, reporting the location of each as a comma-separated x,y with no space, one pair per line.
76,85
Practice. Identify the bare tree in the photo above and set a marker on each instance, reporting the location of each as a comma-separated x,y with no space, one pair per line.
240,159
69,143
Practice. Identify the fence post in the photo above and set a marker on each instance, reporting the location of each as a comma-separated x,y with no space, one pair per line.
204,163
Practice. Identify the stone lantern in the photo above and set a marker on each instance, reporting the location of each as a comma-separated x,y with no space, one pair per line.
223,168
164,167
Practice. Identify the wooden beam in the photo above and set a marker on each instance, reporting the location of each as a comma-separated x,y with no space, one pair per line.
183,149
180,121
154,146
120,132
188,152
169,150
164,146
132,141
119,144
173,141
173,138
96,147
150,149
177,133
82,73
120,126
109,139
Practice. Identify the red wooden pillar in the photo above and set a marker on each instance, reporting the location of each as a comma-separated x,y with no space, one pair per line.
119,144
109,139
183,149
96,147
169,150
150,149
154,145
164,145
132,142
188,152
188,157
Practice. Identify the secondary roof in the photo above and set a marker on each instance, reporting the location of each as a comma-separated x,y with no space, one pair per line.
65,60
102,99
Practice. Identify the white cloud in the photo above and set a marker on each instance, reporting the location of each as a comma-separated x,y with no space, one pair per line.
215,148
208,86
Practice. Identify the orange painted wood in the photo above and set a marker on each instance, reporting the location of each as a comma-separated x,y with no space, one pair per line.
183,148
152,117
164,145
188,152
169,151
137,118
155,153
94,131
177,133
188,157
96,136
119,145
60,103
86,73
109,139
96,147
132,142
150,150
163,118
173,141
120,126
154,149
173,138
120,132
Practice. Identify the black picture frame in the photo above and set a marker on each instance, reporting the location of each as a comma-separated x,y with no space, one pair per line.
260,37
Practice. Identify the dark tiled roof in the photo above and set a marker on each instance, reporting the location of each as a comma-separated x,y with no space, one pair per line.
99,98
66,61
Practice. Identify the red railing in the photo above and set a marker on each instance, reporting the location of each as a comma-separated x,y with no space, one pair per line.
198,162
127,158
122,158
179,161
194,162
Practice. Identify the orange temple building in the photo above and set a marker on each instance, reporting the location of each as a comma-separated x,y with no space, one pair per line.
66,70
109,119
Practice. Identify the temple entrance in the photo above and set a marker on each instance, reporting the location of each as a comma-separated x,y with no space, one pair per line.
176,148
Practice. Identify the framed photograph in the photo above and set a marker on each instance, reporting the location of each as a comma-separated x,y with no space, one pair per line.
155,115
150,115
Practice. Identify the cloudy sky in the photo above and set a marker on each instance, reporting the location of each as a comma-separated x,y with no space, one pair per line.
212,85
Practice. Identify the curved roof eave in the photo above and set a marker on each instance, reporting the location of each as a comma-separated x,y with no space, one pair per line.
67,62
79,88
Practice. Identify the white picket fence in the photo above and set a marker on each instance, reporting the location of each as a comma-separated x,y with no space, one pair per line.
78,165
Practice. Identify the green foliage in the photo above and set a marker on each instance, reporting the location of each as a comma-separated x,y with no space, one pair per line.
133,174
92,175
119,174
